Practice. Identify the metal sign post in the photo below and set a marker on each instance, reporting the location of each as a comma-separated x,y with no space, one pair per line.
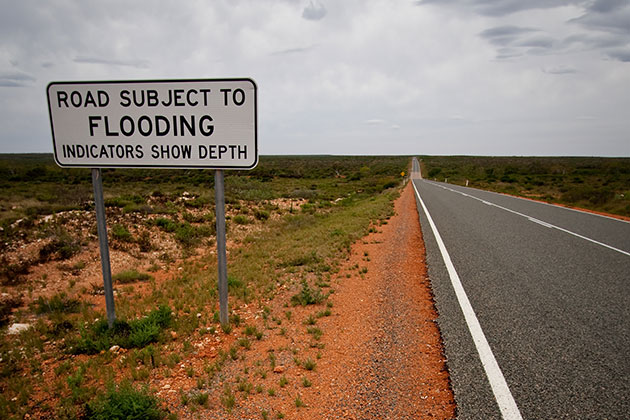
219,202
97,183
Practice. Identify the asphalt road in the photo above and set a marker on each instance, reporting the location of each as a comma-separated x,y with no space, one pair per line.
550,288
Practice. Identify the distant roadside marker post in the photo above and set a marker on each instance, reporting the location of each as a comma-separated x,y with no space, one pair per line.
188,124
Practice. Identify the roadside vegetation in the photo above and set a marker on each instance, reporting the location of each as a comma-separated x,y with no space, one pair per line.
599,184
291,223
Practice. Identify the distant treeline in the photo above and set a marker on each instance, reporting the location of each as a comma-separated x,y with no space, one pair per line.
42,168
595,183
32,184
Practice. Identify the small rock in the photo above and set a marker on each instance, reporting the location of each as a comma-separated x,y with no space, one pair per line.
279,369
167,386
114,349
173,335
18,328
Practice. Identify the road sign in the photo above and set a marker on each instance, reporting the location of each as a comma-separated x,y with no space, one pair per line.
209,123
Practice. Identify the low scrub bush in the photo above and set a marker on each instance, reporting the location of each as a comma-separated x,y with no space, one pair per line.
124,402
131,276
124,201
61,247
57,304
302,260
261,214
121,233
133,334
167,225
239,219
307,296
144,242
12,274
188,235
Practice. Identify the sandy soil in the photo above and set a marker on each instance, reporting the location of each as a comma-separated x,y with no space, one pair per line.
384,353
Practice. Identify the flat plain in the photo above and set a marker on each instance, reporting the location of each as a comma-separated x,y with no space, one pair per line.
297,240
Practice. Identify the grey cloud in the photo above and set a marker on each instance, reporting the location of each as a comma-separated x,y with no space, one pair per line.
15,79
560,70
504,35
620,54
314,11
516,41
141,64
507,53
612,18
616,21
594,41
605,6
508,30
293,50
544,42
612,46
501,7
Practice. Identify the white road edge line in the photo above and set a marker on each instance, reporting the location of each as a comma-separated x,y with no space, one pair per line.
502,394
540,222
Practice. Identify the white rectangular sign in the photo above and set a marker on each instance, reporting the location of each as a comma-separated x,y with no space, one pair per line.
159,123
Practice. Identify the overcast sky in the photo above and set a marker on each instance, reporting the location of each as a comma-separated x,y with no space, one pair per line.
481,77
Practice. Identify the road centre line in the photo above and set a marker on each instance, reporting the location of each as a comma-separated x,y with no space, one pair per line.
502,394
533,219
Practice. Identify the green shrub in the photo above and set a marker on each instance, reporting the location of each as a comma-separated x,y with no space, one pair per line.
167,225
124,403
59,303
239,219
144,242
138,208
191,218
307,296
130,276
136,333
261,214
234,283
315,332
197,202
201,399
189,235
309,364
121,233
390,184
62,247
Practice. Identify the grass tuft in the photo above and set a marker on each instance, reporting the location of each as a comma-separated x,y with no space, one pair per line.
307,296
131,276
133,334
124,402
58,304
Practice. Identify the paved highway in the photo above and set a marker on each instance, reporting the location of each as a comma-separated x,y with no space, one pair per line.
533,302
